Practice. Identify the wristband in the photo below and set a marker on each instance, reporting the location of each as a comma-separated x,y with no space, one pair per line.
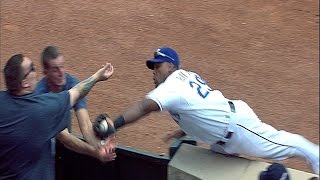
119,122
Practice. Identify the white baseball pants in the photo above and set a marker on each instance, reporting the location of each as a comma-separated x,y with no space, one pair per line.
251,137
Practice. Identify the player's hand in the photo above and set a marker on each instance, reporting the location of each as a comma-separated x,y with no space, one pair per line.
105,72
103,126
110,122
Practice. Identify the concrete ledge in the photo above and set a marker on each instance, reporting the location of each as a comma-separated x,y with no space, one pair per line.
193,163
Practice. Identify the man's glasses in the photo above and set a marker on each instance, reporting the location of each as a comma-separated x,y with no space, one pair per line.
158,53
32,68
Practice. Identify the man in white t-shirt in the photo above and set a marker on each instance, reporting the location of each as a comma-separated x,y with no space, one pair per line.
204,114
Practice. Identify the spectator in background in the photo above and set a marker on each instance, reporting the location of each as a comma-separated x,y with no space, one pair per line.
56,80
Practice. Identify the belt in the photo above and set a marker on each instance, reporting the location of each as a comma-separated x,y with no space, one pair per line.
229,134
232,107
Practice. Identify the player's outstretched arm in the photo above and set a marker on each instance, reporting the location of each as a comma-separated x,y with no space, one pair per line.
136,112
82,88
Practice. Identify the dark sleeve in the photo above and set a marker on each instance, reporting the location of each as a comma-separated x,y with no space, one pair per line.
82,103
54,114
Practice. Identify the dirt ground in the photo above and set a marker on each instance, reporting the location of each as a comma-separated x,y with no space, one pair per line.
263,52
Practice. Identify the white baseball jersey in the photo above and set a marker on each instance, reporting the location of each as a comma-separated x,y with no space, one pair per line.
205,115
200,111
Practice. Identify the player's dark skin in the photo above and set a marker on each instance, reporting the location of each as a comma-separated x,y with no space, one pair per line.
160,73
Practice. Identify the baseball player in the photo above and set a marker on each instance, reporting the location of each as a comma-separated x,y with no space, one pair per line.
204,114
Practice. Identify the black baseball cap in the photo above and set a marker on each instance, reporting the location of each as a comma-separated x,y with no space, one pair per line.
275,171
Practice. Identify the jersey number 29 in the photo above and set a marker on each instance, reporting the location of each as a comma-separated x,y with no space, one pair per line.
202,88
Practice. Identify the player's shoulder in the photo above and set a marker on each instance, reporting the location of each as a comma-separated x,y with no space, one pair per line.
180,75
